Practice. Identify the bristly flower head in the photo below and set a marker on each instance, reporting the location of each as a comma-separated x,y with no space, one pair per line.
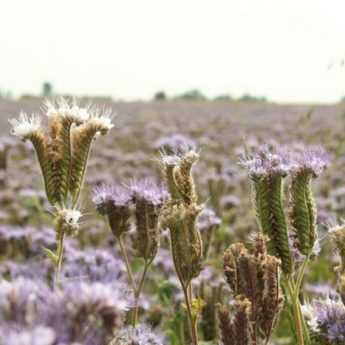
148,191
115,203
139,335
312,159
25,125
149,199
101,119
63,108
326,318
105,197
266,161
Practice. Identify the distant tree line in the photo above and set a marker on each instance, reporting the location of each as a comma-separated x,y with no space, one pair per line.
197,95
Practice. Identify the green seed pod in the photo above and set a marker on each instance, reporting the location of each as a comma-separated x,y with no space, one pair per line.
186,240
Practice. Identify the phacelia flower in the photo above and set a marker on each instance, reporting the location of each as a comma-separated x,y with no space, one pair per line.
25,125
266,161
312,159
326,319
115,203
148,199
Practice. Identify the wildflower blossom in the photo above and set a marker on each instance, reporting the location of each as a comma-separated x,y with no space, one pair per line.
149,199
25,125
115,203
326,318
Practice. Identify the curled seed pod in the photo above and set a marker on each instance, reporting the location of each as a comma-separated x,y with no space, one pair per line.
186,242
255,275
272,298
169,164
309,162
184,178
115,203
149,199
303,212
59,154
82,138
226,326
242,322
267,170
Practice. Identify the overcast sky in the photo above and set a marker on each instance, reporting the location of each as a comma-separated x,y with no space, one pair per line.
287,50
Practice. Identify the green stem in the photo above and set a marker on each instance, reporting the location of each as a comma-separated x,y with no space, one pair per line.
187,291
59,253
138,292
296,312
128,266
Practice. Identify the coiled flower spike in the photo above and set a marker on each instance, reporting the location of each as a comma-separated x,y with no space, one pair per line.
267,170
308,164
63,150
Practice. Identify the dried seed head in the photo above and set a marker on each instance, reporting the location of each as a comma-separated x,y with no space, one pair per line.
255,275
115,203
186,242
226,326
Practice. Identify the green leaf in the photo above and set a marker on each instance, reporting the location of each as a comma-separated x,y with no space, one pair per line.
51,255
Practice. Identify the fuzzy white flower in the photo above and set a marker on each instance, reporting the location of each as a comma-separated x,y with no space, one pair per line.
102,119
70,216
25,125
310,316
65,109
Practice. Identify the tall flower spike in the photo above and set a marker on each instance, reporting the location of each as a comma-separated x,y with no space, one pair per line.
267,170
82,137
308,163
149,199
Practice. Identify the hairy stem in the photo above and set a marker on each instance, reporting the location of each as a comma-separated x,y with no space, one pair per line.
138,292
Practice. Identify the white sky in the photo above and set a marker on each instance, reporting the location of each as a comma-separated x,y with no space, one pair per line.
132,48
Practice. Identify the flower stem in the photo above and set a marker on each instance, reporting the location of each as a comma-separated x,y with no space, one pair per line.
59,253
128,266
296,313
138,292
187,291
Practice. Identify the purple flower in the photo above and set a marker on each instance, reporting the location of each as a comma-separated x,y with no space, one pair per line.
148,191
267,161
175,143
312,159
326,318
105,197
